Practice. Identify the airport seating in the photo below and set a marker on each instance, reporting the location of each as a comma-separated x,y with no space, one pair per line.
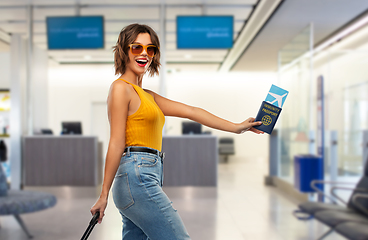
350,220
16,202
226,147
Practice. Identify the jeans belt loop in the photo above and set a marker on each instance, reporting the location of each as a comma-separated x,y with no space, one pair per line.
128,152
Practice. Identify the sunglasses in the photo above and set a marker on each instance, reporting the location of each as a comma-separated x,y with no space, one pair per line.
136,49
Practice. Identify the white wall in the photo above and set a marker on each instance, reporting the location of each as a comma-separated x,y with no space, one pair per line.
39,82
73,89
40,89
4,70
233,96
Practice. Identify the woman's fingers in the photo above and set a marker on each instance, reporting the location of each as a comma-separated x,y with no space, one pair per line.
256,123
100,209
249,125
256,131
102,214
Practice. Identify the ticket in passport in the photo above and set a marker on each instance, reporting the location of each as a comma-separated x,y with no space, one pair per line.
271,108
276,96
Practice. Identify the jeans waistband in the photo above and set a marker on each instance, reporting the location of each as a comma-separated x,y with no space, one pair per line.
145,150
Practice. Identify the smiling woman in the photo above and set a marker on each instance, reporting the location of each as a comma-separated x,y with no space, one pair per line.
134,159
127,40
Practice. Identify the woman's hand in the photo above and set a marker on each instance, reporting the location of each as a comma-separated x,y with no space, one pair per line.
99,206
248,125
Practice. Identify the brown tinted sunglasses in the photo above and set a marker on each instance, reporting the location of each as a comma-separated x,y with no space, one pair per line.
137,48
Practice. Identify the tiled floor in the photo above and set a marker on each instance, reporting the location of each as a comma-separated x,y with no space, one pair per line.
244,209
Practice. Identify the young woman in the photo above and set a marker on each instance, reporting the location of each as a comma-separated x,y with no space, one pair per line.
134,160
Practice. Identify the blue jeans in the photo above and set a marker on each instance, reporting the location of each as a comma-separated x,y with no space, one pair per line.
146,210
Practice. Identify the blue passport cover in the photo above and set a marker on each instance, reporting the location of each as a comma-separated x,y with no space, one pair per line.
268,114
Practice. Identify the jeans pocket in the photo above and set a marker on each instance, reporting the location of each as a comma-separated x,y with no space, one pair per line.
122,195
148,161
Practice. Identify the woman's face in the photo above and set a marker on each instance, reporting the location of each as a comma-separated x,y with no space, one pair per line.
140,63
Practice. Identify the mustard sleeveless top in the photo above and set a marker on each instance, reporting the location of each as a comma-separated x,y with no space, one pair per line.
144,127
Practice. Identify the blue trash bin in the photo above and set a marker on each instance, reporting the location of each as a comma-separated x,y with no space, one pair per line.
307,168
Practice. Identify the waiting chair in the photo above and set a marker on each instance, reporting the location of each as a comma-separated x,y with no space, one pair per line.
344,219
16,202
226,147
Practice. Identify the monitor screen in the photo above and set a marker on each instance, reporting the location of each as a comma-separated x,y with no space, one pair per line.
204,32
81,32
191,128
46,131
71,128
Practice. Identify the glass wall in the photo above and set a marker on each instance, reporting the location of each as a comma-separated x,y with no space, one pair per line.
346,97
344,69
295,72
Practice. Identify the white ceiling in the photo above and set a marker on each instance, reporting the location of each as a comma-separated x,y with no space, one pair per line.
117,14
287,21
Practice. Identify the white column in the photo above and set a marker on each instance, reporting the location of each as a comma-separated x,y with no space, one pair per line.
18,52
334,155
29,67
163,49
162,87
39,90
365,147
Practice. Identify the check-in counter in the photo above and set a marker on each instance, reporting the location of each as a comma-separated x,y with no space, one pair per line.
190,160
75,160
72,160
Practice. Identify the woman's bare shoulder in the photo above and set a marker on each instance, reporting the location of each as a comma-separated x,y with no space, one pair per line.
120,89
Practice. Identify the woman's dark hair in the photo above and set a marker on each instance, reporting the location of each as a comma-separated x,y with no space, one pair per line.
127,36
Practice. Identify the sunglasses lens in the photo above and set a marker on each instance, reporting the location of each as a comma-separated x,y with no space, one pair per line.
151,50
137,49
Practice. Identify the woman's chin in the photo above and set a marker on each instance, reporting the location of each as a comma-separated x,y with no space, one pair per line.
140,72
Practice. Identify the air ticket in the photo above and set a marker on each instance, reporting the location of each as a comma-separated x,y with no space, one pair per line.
276,96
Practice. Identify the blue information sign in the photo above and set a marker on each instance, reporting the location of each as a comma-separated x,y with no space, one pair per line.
204,32
84,32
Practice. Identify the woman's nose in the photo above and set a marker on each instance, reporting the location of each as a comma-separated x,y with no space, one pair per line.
144,52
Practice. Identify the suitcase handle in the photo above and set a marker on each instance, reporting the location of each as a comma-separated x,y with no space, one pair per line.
91,225
94,220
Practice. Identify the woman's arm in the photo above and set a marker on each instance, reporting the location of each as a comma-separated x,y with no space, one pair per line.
177,109
118,102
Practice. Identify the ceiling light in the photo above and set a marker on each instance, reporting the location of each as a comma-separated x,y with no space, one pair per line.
343,33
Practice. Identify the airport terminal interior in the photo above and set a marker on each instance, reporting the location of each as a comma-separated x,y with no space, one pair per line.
298,66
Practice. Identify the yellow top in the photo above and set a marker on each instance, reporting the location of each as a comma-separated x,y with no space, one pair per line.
144,127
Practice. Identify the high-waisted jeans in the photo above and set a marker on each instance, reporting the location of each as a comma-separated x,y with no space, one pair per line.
146,211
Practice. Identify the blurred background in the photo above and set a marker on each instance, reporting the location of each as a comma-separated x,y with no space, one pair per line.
56,67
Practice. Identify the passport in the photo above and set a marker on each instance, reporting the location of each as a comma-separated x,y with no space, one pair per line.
268,115
271,108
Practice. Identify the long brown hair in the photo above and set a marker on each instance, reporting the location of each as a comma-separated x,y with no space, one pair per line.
127,36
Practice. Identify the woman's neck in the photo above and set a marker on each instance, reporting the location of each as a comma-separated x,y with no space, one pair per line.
132,78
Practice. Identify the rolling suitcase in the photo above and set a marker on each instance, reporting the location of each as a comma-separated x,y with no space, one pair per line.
91,225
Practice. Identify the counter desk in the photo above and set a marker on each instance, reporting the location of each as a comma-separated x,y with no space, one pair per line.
72,160
75,160
190,160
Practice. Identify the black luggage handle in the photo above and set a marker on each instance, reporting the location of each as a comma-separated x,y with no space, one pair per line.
91,225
